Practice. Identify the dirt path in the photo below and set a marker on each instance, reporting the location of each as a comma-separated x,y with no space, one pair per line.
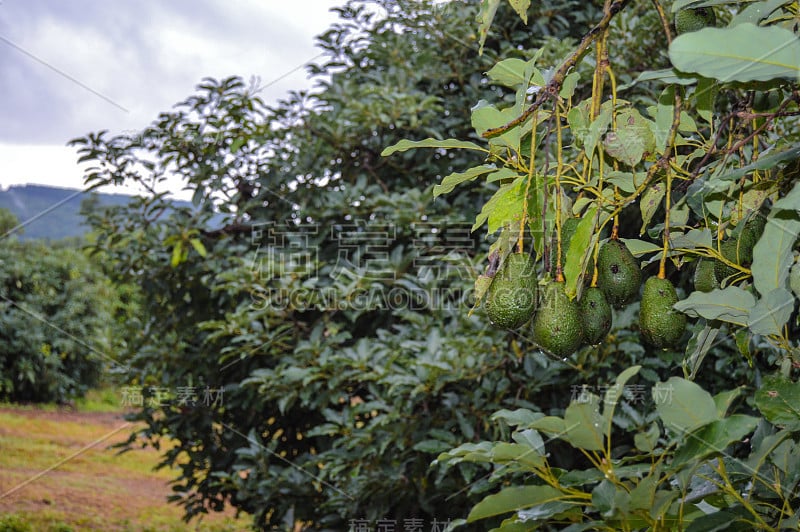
56,468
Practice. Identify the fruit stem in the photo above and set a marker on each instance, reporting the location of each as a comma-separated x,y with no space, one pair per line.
531,166
559,169
676,119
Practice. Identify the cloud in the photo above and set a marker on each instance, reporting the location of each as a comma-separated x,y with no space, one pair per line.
143,56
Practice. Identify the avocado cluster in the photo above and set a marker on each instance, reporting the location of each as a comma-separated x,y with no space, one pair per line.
511,298
688,20
560,324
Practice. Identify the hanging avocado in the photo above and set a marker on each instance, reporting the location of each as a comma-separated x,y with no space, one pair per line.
511,298
618,273
740,250
595,315
688,20
705,279
661,325
557,324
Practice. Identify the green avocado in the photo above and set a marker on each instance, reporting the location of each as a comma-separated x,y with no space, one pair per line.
618,273
661,325
740,250
595,315
705,279
688,20
568,228
557,325
511,298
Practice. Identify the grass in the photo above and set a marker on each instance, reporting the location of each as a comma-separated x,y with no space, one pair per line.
85,486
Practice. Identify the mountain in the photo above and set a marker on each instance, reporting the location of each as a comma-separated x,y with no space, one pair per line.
56,210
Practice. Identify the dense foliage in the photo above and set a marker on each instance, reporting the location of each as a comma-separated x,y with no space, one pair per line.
57,315
311,353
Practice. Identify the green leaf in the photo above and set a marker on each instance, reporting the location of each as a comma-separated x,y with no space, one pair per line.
771,313
550,425
713,438
513,499
697,349
584,424
485,17
649,204
511,72
667,75
756,12
521,7
765,162
405,145
579,248
504,207
724,400
177,255
778,400
772,254
614,394
742,53
450,182
683,405
705,94
521,417
198,247
237,144
731,304
664,111
640,247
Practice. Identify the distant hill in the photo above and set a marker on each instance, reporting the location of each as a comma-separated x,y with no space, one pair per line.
58,209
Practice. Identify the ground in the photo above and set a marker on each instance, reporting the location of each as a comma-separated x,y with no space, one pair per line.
57,473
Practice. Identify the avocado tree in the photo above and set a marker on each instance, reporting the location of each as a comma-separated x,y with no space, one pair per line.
679,168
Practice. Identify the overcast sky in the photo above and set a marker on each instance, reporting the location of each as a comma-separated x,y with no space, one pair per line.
71,67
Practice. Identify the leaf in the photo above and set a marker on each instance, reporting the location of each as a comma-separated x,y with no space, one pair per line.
705,94
177,255
456,178
664,111
724,400
513,499
683,405
520,417
485,17
405,145
521,7
696,350
640,247
714,438
731,304
772,254
596,130
237,144
509,72
742,53
584,424
198,247
579,246
756,12
505,206
765,162
667,75
771,313
649,204
778,400
614,394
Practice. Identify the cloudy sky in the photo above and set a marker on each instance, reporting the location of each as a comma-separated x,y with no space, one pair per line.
71,67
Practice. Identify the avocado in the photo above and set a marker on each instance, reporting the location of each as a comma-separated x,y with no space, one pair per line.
705,279
568,228
740,250
557,325
688,20
511,298
661,325
595,315
618,273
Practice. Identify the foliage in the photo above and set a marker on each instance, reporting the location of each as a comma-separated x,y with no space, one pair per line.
679,175
321,399
55,314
